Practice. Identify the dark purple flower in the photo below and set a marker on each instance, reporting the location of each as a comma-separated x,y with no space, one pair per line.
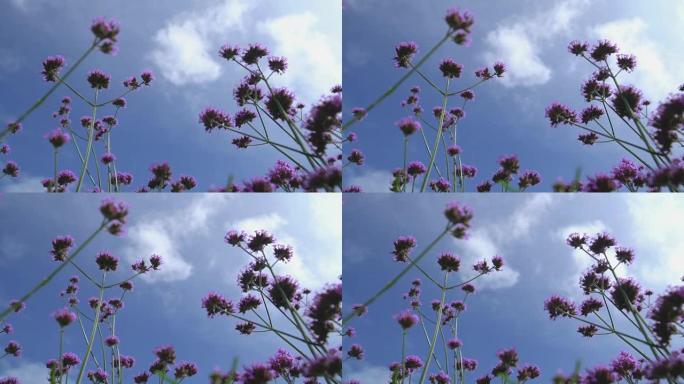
64,317
450,69
252,54
406,319
558,306
213,118
51,67
448,262
408,126
107,262
277,64
11,169
279,103
602,50
404,53
98,79
560,114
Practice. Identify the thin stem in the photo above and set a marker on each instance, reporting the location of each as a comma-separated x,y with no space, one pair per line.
91,136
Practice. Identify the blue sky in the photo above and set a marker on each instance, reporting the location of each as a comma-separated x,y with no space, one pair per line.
529,232
507,117
188,232
179,43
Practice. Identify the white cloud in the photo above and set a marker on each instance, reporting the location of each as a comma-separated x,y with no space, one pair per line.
520,44
657,64
369,180
316,261
28,373
479,246
314,57
368,374
492,240
24,184
580,259
186,51
165,234
656,230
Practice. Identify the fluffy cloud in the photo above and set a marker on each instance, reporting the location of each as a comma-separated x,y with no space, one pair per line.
318,260
186,51
24,184
491,240
520,44
657,70
314,57
656,233
27,372
369,180
186,48
165,234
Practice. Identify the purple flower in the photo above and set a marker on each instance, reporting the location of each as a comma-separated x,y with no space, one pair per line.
61,246
11,169
64,317
404,53
70,359
459,20
111,341
403,247
591,113
602,50
51,67
408,126
599,375
627,62
213,118
450,69
257,374
277,64
406,319
216,304
107,262
105,29
529,179
449,262
13,348
560,114
558,306
578,48
98,79
627,101
252,54
356,157
355,351
229,52
412,363
416,168
184,370
279,103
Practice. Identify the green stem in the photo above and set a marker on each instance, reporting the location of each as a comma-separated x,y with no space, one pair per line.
93,331
435,147
91,136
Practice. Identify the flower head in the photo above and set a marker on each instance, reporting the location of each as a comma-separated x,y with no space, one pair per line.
51,67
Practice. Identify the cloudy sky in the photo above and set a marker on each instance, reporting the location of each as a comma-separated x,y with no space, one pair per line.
529,232
507,117
188,232
179,43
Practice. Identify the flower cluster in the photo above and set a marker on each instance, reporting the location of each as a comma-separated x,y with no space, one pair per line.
650,329
618,113
93,133
314,317
443,313
440,127
98,315
268,114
